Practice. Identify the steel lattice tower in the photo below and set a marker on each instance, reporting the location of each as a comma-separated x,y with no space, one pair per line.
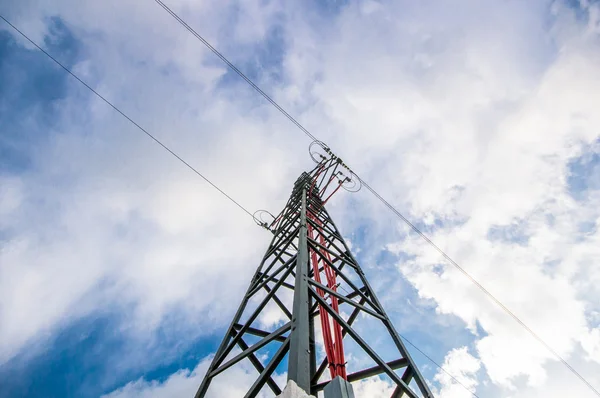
301,277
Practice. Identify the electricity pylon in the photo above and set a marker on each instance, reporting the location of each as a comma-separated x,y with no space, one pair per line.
309,282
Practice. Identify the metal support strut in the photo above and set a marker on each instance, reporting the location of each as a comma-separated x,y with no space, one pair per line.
308,272
299,360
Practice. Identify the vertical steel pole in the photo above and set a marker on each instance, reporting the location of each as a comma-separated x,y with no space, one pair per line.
312,345
299,359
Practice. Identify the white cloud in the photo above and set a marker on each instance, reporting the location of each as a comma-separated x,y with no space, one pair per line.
463,367
512,173
373,387
10,197
468,113
184,383
472,119
108,220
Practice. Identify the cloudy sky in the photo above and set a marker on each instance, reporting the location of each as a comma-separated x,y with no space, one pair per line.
478,119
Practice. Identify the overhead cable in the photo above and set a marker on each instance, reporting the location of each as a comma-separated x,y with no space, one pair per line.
440,367
156,140
234,68
378,196
179,158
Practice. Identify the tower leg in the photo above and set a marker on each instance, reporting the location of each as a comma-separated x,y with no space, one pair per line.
299,359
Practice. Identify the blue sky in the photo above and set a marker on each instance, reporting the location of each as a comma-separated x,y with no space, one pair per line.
77,360
112,254
30,85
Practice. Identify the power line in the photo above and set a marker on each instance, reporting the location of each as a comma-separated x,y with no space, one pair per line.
128,118
483,289
235,69
378,196
182,160
425,355
439,366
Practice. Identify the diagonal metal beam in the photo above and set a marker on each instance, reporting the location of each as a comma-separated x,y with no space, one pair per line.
345,278
359,340
365,373
323,365
258,345
217,361
284,284
287,265
258,332
344,299
274,260
280,304
258,365
269,369
407,377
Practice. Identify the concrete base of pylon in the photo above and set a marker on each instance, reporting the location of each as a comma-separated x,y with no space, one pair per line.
338,388
293,391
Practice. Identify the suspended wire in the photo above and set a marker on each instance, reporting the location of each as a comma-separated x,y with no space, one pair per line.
186,163
128,118
481,287
439,366
425,355
378,196
234,68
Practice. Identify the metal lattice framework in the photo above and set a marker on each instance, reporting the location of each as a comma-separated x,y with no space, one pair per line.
300,279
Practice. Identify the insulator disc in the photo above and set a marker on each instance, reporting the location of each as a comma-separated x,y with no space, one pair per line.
354,185
263,217
318,151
